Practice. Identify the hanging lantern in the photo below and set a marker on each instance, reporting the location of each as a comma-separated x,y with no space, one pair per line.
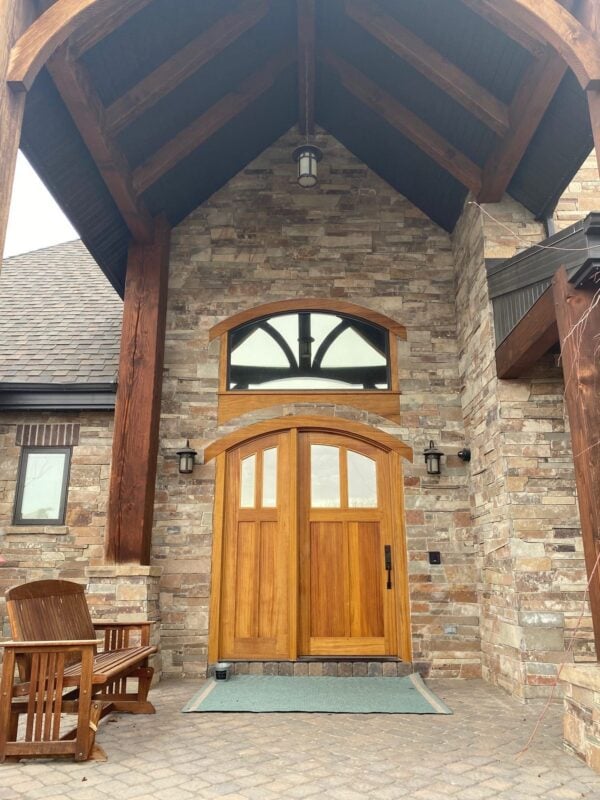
433,458
187,458
307,157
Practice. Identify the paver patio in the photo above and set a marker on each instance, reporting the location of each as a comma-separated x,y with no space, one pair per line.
172,756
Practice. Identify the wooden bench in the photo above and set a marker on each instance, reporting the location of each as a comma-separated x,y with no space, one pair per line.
57,666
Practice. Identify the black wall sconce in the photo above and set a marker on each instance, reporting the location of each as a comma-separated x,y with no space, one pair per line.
464,454
187,459
433,459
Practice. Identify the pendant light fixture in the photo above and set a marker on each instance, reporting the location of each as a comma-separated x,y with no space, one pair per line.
307,156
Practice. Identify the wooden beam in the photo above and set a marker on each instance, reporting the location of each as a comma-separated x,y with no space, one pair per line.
184,63
535,93
307,67
16,16
210,122
430,63
578,315
405,122
589,14
104,24
526,38
556,25
137,410
46,34
87,111
529,340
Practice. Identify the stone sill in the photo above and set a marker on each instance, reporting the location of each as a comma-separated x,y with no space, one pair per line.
53,530
124,571
587,676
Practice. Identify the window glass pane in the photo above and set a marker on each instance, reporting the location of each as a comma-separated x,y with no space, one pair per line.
269,487
362,481
248,482
258,350
43,486
287,325
267,354
320,326
294,384
324,476
351,350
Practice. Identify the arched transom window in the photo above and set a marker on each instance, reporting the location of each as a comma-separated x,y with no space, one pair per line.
314,350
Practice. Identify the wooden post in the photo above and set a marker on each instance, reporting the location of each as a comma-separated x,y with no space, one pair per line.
578,318
137,412
15,17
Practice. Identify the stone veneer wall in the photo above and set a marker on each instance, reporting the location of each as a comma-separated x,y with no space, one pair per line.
524,507
262,238
74,551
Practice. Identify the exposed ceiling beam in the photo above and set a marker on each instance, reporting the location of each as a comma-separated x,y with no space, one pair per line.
307,72
526,38
430,63
49,32
405,122
184,63
103,25
529,340
535,93
207,124
560,28
84,105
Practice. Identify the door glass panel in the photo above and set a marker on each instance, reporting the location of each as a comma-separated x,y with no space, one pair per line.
248,482
362,481
324,476
269,486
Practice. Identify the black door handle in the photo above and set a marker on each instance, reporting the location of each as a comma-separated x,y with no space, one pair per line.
388,564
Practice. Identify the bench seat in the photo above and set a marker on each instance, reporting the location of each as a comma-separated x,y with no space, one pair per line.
57,666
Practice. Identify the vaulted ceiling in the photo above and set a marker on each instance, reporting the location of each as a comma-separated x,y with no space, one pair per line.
158,104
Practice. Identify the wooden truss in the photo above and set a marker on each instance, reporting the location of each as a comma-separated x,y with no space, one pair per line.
56,34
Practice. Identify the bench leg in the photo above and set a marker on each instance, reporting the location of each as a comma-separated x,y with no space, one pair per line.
134,702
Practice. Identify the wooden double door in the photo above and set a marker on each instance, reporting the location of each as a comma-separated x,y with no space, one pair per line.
312,559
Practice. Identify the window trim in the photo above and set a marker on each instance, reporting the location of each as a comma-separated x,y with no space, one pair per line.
236,402
18,518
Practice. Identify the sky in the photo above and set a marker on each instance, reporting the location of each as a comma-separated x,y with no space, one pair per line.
35,220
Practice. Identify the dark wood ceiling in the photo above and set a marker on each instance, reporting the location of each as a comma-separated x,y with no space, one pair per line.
430,94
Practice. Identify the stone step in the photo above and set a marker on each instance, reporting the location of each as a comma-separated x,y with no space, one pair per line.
332,668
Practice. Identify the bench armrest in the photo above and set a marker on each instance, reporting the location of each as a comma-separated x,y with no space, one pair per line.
75,643
101,624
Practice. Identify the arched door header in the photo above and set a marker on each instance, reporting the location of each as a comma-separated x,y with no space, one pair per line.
350,428
307,304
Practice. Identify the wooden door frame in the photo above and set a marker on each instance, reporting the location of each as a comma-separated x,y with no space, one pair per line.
394,447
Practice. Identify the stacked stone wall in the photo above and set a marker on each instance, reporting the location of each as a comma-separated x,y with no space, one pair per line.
523,487
33,552
262,238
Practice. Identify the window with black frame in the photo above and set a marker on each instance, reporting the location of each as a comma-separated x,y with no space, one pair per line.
42,486
308,350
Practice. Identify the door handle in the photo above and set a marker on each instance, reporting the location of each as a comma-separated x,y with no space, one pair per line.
388,564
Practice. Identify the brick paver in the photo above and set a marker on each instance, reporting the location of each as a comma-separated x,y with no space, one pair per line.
172,756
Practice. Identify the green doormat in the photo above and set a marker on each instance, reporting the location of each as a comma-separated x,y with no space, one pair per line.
266,693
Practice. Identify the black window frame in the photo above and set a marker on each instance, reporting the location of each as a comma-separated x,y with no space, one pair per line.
18,518
346,320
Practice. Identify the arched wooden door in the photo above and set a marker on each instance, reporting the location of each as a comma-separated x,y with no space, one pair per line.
310,558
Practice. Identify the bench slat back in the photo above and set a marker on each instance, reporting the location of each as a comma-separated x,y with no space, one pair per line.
49,610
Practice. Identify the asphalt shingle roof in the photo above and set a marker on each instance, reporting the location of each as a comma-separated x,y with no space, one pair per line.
60,319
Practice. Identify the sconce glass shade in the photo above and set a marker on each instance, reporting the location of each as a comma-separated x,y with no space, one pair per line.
307,157
187,458
433,459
